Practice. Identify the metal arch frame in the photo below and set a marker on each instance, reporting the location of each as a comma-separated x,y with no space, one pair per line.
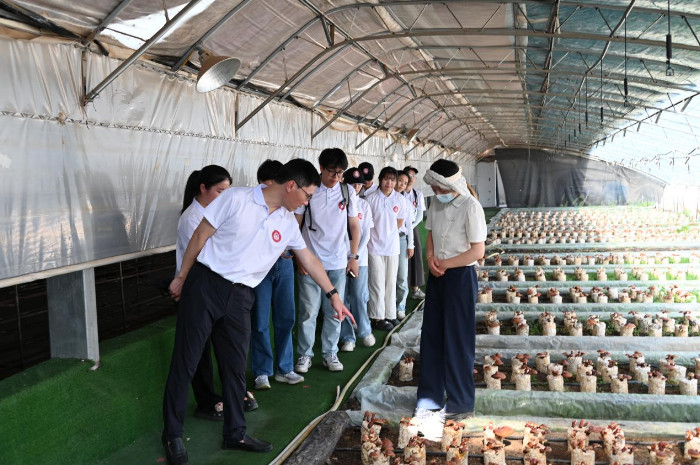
658,114
90,96
451,31
108,19
208,34
553,19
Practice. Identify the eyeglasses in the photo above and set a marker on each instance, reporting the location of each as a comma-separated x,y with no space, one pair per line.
308,196
334,174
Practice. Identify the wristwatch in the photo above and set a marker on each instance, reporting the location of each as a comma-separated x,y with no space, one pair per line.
331,293
354,255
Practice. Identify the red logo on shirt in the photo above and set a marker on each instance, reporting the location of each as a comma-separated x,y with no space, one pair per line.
359,216
276,236
341,205
396,209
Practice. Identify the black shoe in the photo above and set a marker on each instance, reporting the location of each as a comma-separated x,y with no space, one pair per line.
249,444
211,414
383,325
249,402
394,322
175,451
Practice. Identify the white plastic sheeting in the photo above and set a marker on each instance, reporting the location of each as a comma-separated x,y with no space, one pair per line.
81,184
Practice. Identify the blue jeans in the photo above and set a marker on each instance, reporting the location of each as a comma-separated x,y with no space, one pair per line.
311,298
277,289
356,297
402,276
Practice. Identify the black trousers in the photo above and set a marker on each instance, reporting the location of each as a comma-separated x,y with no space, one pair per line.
210,306
203,381
448,341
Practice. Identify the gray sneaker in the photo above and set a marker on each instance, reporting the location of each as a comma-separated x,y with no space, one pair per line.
303,364
288,378
332,363
262,382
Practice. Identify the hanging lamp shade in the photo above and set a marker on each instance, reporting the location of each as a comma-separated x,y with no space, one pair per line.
215,71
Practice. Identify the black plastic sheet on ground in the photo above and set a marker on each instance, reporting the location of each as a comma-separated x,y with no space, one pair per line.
533,178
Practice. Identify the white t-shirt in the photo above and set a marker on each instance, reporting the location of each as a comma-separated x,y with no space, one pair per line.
248,239
188,222
386,210
329,219
455,225
364,216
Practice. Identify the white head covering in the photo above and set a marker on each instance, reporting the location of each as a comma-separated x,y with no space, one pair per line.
456,182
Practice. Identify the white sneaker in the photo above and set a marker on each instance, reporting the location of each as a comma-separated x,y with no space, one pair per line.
430,423
288,378
303,364
347,346
400,315
261,382
368,341
332,363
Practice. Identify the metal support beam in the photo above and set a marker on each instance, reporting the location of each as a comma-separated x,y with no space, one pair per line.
108,19
185,56
90,96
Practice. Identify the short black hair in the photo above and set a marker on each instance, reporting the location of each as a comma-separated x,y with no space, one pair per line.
411,168
300,171
367,170
268,170
388,171
445,168
333,158
402,173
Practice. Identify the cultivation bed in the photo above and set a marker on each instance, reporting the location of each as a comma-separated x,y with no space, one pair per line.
347,450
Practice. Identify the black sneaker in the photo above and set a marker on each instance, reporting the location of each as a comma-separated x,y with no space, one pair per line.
175,451
248,443
382,325
394,323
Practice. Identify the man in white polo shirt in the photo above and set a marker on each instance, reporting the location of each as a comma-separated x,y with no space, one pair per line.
325,223
242,234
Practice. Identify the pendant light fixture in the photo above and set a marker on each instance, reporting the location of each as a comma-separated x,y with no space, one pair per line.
625,81
601,92
669,47
586,100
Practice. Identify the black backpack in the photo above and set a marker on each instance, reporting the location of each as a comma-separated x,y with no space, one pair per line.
346,200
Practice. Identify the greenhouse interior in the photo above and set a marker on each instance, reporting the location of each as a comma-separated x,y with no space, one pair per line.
574,124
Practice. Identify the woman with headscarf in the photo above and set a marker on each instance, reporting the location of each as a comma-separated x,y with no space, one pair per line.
456,235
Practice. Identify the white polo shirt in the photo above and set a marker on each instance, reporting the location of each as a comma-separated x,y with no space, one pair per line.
329,219
364,216
365,192
406,226
455,225
386,210
188,222
416,198
248,239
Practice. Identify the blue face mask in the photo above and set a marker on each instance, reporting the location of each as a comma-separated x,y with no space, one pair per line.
446,198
